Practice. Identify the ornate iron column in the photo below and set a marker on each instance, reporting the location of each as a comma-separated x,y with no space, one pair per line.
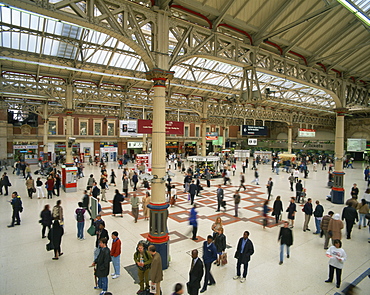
158,231
337,192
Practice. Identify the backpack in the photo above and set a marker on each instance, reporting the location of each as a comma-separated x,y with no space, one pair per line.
55,211
80,215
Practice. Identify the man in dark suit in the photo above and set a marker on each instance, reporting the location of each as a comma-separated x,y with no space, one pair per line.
95,191
209,255
195,273
243,254
192,191
5,183
349,213
220,197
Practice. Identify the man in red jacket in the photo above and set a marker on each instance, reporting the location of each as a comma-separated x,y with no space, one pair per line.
115,254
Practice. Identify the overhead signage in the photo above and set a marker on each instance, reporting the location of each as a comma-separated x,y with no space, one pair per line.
135,144
356,144
211,135
25,147
252,141
128,128
306,132
254,130
172,127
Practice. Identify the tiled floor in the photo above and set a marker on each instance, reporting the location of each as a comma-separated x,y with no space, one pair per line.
27,268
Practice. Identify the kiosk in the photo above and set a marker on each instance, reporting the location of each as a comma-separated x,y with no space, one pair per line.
69,178
212,162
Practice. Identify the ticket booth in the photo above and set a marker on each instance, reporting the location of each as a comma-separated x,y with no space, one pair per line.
69,178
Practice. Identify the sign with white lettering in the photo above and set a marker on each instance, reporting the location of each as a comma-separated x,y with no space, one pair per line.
306,132
135,144
254,130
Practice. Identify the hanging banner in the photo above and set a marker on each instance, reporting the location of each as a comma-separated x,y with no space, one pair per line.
172,127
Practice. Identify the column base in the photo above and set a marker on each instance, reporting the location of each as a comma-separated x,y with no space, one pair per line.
337,195
164,250
158,235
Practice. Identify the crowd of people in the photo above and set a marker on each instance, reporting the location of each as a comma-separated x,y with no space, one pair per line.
146,258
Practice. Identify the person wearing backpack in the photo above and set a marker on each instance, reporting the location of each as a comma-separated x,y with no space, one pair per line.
81,216
143,262
58,212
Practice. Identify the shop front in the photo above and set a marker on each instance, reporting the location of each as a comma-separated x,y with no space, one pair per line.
191,149
134,147
172,147
86,149
60,149
26,151
109,150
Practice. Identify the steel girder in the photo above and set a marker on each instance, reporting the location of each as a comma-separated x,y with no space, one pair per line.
107,99
125,21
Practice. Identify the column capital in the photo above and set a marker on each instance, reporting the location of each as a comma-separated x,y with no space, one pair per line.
341,111
203,120
159,76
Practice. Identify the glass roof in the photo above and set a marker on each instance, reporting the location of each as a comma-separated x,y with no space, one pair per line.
26,31
30,32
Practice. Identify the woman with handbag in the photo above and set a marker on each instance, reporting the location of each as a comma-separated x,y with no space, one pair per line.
220,243
277,209
55,237
30,184
292,209
45,220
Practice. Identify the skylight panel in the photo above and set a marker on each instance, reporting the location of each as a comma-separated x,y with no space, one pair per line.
36,23
15,40
24,42
32,41
6,15
25,20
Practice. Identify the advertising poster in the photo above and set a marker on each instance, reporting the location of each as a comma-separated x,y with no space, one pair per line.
172,127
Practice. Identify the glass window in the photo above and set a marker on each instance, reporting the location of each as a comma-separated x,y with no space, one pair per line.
110,129
207,129
197,131
83,128
52,128
186,133
97,128
218,131
226,133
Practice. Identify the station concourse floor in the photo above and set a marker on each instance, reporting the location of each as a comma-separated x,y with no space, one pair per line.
27,268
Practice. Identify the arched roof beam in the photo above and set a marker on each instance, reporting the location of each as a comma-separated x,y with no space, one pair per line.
112,26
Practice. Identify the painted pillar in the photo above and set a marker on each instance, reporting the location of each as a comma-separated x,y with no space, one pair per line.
69,128
290,129
337,192
158,231
46,130
204,129
3,131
